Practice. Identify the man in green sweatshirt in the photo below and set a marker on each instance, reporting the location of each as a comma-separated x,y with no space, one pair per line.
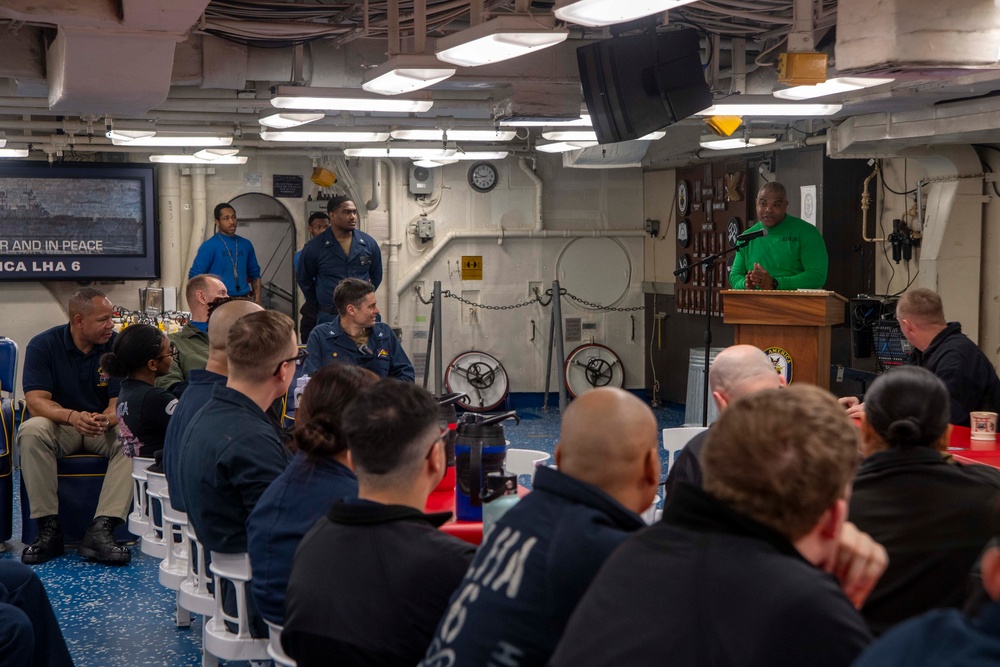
791,256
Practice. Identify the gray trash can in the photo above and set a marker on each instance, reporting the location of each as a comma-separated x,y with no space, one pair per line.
696,385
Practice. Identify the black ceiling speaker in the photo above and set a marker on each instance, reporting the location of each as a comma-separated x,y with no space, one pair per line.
638,84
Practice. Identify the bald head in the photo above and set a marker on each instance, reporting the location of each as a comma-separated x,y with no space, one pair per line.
740,370
222,319
609,439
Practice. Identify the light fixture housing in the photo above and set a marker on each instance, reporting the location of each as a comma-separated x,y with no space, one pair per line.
454,134
590,136
324,136
499,39
165,139
608,12
348,99
405,73
436,162
840,84
282,121
583,121
13,152
563,146
418,152
718,143
764,106
194,159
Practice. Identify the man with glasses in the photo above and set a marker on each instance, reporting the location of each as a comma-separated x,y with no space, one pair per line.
72,404
371,579
790,255
192,339
357,337
232,450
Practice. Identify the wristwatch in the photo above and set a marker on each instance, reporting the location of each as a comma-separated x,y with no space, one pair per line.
774,283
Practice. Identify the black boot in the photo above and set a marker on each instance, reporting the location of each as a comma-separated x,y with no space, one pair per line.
48,544
99,543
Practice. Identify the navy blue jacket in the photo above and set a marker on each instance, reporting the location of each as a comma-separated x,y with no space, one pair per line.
199,390
328,343
933,518
232,452
288,509
323,264
969,375
709,586
940,638
76,380
558,537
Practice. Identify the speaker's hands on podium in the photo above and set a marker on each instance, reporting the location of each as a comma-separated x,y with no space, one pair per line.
758,278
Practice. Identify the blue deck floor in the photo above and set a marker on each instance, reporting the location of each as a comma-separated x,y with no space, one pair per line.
115,617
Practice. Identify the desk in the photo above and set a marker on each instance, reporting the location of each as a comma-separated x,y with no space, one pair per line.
966,450
470,531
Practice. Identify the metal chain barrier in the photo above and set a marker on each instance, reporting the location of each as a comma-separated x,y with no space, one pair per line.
597,306
538,298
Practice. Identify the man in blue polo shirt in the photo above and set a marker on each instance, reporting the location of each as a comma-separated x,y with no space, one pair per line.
229,256
72,403
199,389
342,251
357,338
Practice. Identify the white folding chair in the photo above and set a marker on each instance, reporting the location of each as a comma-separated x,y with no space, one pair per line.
174,567
138,518
195,594
274,647
153,542
675,439
217,640
524,461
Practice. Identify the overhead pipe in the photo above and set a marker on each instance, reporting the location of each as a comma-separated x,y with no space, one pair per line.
526,168
373,203
392,266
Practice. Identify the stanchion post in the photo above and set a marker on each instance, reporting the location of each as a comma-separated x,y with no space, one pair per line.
548,361
560,349
430,341
436,316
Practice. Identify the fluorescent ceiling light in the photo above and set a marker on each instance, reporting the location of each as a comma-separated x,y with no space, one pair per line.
320,136
13,152
437,162
769,110
606,12
216,153
348,99
193,159
405,73
724,143
564,146
499,39
283,121
590,135
842,84
453,135
422,153
583,120
163,139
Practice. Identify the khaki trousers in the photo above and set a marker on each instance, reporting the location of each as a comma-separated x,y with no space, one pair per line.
42,442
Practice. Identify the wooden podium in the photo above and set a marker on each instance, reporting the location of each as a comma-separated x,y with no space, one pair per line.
797,323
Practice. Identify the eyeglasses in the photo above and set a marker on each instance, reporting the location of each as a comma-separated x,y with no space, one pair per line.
174,352
298,358
441,438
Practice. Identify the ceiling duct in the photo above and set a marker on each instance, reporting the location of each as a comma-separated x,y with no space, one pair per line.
927,38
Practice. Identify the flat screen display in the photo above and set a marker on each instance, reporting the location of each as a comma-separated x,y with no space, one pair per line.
77,222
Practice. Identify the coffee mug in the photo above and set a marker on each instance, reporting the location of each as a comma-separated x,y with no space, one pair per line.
983,425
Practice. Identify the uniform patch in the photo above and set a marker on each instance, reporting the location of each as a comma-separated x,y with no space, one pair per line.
782,362
383,354
102,377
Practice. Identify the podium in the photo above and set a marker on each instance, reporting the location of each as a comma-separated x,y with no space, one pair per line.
793,327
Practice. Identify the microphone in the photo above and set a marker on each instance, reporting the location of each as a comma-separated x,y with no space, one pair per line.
750,236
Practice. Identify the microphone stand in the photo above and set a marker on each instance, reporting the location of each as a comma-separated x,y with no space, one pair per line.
709,263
